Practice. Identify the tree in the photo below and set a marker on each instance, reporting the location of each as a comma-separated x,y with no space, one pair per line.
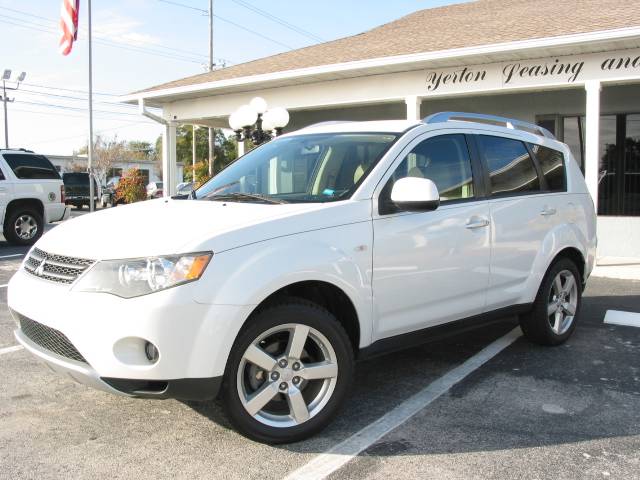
107,152
225,149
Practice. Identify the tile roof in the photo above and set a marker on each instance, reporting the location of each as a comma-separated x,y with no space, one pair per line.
483,22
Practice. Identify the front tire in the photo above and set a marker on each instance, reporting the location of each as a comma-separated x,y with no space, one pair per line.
23,227
553,317
288,372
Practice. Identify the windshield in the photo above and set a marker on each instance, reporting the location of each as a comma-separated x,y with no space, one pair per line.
303,168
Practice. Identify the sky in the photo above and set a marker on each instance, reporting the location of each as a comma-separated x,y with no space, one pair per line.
141,43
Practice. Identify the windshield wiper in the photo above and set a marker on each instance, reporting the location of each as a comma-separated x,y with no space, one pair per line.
242,195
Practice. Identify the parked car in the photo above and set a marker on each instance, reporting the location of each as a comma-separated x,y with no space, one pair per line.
31,194
185,188
333,243
154,190
109,193
76,186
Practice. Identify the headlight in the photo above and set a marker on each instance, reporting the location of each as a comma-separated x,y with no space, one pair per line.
140,276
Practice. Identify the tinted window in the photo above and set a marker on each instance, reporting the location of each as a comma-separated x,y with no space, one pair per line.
444,160
1,175
511,169
31,166
77,179
552,165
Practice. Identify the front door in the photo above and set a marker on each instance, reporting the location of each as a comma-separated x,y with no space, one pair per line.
432,267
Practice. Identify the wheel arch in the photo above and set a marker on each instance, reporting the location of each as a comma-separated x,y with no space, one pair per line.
34,203
573,254
322,293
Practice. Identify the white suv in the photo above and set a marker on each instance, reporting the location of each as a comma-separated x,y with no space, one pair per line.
31,194
326,245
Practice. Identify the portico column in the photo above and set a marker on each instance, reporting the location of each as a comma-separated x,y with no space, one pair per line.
169,159
592,154
413,107
240,148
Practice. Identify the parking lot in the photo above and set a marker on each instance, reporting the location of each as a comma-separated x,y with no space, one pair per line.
528,412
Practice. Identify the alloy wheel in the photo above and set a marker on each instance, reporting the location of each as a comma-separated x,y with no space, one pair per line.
287,375
563,302
26,227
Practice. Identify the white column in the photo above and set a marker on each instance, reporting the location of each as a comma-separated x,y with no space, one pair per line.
592,136
413,107
169,159
240,148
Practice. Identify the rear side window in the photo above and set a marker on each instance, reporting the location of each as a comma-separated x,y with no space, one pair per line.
28,166
511,168
552,165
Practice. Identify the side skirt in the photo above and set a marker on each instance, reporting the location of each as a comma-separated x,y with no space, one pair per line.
439,332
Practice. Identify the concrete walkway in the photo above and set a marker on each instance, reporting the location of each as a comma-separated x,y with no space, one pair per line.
617,267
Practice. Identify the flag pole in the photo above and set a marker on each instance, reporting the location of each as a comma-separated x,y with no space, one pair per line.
90,149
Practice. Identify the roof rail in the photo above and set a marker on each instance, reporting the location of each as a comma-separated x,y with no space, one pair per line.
511,123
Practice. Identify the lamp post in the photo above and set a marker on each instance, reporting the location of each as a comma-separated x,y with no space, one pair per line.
257,123
6,77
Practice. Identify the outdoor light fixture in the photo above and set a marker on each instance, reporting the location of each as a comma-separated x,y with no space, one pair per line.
6,77
256,123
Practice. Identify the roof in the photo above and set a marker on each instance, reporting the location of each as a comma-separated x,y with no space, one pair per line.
474,24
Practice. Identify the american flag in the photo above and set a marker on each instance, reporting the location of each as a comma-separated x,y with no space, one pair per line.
68,25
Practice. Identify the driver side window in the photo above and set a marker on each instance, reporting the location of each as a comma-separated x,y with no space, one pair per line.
444,160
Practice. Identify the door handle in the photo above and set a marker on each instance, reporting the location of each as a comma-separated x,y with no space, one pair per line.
548,211
473,223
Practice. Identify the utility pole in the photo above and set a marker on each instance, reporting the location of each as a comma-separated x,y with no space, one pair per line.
6,77
90,146
212,137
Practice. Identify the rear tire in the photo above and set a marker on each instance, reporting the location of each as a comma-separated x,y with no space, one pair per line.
553,317
278,355
23,226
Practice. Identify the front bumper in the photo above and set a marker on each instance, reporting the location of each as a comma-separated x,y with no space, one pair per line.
193,339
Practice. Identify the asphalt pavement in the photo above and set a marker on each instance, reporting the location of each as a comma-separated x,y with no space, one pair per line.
530,412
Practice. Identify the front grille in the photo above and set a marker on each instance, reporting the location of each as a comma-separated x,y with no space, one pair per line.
55,268
48,338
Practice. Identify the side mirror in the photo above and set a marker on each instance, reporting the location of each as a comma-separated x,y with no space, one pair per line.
415,194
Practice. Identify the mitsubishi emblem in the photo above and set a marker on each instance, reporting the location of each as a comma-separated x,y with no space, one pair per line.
40,270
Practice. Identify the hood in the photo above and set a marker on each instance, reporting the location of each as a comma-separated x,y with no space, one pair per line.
163,226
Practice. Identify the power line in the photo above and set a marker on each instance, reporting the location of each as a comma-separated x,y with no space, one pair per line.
279,20
230,22
58,114
78,109
81,135
42,28
83,99
69,89
48,19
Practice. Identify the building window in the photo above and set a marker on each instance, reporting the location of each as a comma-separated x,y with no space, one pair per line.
511,168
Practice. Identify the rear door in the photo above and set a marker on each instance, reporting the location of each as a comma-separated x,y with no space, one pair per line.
432,267
522,214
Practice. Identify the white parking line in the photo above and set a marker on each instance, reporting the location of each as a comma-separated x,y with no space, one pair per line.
15,348
5,285
13,256
326,463
617,317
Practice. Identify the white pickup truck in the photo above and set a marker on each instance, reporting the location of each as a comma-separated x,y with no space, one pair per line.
31,194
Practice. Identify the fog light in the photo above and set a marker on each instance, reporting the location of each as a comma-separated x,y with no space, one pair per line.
151,352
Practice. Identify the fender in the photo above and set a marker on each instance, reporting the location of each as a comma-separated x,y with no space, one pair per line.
341,256
565,235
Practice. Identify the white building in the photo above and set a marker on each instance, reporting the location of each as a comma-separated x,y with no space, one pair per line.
148,169
572,66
